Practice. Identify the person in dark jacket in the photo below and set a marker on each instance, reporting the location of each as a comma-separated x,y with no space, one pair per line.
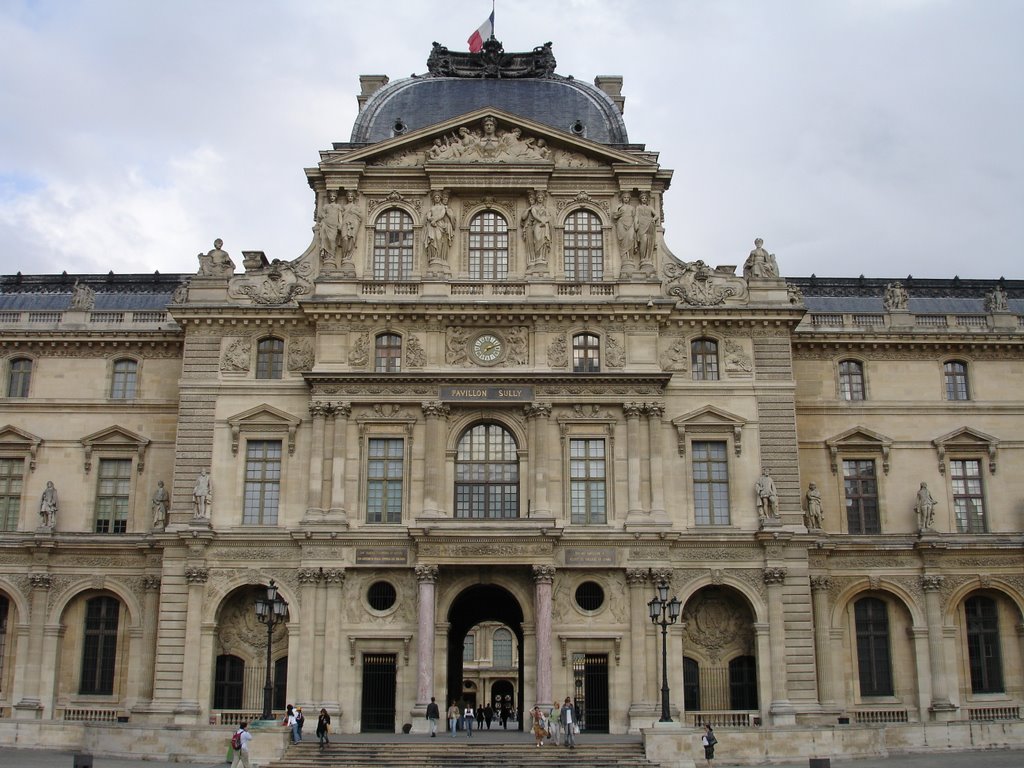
322,727
433,715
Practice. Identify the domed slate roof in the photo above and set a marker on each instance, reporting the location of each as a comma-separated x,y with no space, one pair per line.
521,84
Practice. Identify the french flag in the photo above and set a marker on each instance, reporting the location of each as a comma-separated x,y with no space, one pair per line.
476,40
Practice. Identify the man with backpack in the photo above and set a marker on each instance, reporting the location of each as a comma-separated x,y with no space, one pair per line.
240,744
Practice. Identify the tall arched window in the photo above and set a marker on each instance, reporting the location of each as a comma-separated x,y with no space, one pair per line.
502,648
704,359
99,646
487,474
269,358
586,353
851,380
388,353
955,372
874,665
469,647
4,610
743,683
392,245
228,682
124,377
691,685
583,247
983,648
19,377
488,247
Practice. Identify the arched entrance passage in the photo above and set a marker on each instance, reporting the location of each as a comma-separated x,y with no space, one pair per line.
475,605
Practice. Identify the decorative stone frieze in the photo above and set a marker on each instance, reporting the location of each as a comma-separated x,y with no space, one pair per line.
615,355
415,354
237,357
300,354
359,356
558,353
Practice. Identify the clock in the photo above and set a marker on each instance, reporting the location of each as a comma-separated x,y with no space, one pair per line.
487,348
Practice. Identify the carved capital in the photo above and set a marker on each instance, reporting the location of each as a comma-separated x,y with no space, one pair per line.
309,575
196,575
821,583
543,574
932,583
661,576
334,575
319,410
636,576
654,410
435,409
426,574
342,410
151,583
633,410
40,580
537,411
774,575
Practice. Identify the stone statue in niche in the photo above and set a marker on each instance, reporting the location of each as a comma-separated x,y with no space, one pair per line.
895,297
815,517
646,233
767,496
351,220
624,217
48,505
924,506
160,503
438,230
536,226
760,265
202,495
83,298
216,262
328,225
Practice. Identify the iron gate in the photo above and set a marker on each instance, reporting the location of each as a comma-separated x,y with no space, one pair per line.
379,677
590,673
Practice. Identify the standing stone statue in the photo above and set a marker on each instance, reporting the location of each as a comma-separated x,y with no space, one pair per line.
329,223
536,224
202,495
924,506
625,229
995,300
160,503
767,496
895,297
438,229
646,232
815,517
351,220
83,298
48,505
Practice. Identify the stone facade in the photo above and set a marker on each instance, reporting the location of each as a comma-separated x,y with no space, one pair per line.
469,431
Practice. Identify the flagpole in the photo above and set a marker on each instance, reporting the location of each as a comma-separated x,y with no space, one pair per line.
492,21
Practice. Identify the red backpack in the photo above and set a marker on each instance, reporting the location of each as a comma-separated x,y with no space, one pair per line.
236,740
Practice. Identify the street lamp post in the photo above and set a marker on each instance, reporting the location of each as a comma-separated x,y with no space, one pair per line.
271,610
665,613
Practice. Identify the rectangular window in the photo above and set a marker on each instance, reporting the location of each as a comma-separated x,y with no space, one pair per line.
99,646
587,482
262,482
123,380
469,648
710,483
861,488
385,474
983,648
874,666
12,472
112,495
968,504
19,377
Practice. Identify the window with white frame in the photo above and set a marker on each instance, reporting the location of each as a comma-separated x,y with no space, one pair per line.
583,247
388,353
955,375
385,479
12,475
99,646
968,495
586,353
123,379
704,359
851,380
392,245
19,377
262,493
710,482
587,481
860,486
269,358
113,494
487,473
488,247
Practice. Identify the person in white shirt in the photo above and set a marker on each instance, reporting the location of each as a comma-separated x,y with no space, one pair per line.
242,753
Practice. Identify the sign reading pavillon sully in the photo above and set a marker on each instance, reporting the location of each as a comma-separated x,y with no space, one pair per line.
486,394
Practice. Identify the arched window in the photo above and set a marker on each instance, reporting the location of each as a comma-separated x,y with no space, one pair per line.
956,380
704,359
743,683
851,380
228,682
583,247
586,353
99,646
502,642
983,648
874,666
488,247
269,358
19,377
691,685
392,245
469,648
124,377
388,353
487,474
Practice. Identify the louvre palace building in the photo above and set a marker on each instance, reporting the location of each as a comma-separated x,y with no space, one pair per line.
477,427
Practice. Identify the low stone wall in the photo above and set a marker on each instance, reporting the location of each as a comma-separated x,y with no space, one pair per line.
680,746
172,743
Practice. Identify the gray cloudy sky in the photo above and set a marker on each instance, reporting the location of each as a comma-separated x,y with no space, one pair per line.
877,137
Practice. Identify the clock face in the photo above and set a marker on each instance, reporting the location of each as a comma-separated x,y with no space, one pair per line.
487,348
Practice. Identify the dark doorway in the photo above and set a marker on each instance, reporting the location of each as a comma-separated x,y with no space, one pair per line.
476,604
280,684
590,685
379,675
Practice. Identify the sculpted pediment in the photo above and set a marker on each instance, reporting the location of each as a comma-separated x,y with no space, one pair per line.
710,420
967,440
263,420
490,136
115,439
859,439
18,441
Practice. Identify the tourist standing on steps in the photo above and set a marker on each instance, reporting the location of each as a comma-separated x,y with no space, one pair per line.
553,724
567,719
323,724
708,740
292,722
242,753
453,718
433,715
539,726
468,717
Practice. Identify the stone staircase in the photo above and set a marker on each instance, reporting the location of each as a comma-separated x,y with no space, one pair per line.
446,753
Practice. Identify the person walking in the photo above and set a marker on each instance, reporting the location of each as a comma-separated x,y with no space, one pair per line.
467,718
240,744
433,715
300,720
540,728
488,715
553,725
291,720
323,724
567,719
453,718
708,740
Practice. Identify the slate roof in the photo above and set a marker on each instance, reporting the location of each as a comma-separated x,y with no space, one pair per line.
113,292
862,295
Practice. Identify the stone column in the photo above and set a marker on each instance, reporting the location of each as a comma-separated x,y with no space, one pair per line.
143,653
331,664
639,621
327,461
426,576
436,415
316,457
543,576
540,457
782,710
31,704
656,460
941,707
633,454
305,662
820,586
188,705
341,413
